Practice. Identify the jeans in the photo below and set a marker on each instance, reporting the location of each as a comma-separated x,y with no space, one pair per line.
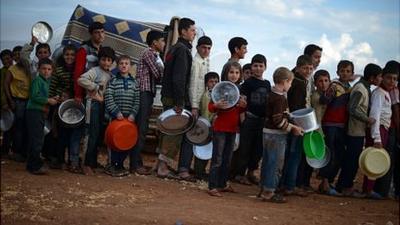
94,128
185,156
69,137
251,144
292,161
274,146
118,158
142,119
335,141
355,146
221,157
304,172
35,123
20,131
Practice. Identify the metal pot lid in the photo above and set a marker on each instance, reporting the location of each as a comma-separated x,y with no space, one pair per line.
171,123
7,119
200,133
42,31
320,163
70,112
203,152
226,90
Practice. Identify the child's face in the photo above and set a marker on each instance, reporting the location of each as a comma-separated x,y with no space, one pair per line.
305,70
389,81
69,57
322,83
16,56
241,52
7,61
46,70
246,74
234,74
376,80
124,66
211,83
204,51
43,53
98,36
316,58
105,63
159,45
258,69
287,84
345,73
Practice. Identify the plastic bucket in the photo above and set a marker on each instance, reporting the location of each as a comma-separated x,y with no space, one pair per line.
121,135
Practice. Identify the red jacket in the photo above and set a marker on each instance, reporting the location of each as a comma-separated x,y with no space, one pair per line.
227,120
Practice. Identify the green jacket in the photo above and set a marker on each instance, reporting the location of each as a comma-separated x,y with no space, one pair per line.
38,93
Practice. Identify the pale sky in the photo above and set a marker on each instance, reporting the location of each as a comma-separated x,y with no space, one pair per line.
361,31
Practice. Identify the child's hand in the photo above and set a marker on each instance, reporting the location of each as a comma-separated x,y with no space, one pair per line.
378,145
242,102
297,131
52,101
221,104
64,96
34,40
131,118
120,116
371,121
195,113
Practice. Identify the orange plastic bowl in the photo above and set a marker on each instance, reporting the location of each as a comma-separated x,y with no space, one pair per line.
121,135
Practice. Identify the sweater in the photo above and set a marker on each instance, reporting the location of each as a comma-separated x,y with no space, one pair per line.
336,98
277,113
204,101
95,79
199,69
256,92
39,94
226,120
122,95
359,108
318,107
62,82
297,93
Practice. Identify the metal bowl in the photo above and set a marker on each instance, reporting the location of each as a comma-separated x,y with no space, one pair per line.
6,120
200,134
203,152
306,119
320,163
71,113
171,123
42,31
226,90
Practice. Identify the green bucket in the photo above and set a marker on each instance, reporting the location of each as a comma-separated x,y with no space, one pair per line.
314,145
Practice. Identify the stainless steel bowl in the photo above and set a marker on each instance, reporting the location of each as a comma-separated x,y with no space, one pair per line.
171,123
71,113
306,119
320,163
6,120
42,31
200,134
226,90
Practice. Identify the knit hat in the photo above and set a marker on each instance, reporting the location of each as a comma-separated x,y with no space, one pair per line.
204,40
281,74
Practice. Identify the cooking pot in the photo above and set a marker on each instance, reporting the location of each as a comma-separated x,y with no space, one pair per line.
6,120
306,119
203,152
226,90
200,134
171,123
71,113
121,135
42,31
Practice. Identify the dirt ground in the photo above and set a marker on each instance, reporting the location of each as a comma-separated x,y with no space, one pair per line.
65,198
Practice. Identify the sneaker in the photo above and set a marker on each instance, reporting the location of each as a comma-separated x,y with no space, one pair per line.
141,171
41,171
117,172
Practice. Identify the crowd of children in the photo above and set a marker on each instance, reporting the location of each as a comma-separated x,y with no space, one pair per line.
351,117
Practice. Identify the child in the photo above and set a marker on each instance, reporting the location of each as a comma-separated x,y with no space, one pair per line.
42,51
210,80
238,49
95,81
275,131
358,106
297,99
149,72
225,127
122,101
322,80
333,124
35,116
256,90
62,85
246,71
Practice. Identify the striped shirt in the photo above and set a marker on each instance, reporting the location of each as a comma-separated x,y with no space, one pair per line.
61,82
148,71
122,96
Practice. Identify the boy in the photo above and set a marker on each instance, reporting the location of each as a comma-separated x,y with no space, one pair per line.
256,90
210,80
246,71
315,52
149,72
42,51
334,122
276,127
238,49
95,81
358,106
322,80
121,101
200,66
36,109
7,61
297,98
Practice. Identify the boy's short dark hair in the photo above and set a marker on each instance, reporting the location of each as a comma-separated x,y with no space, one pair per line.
236,42
42,45
153,35
258,58
345,63
246,66
304,60
311,48
391,67
204,40
95,26
107,52
209,76
184,24
60,59
5,52
45,61
371,70
321,73
122,57
17,48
